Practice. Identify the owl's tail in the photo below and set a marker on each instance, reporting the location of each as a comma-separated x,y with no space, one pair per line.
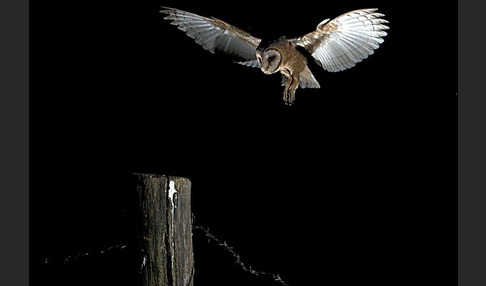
307,79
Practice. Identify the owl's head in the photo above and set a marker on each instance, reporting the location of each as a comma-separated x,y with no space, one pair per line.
269,60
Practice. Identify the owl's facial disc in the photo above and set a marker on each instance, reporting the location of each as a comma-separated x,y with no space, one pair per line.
270,61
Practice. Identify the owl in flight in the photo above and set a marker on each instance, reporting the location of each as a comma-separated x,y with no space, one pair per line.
335,45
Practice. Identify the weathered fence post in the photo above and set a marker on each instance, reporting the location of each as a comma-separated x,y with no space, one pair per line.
165,230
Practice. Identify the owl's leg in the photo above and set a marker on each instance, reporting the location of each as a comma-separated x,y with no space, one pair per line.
290,88
286,83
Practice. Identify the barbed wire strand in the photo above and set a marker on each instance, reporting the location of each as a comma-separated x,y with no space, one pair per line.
238,260
92,252
206,232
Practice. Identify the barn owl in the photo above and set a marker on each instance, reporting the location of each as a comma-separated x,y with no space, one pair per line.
335,45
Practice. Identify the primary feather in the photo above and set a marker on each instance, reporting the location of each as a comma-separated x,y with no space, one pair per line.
346,40
214,34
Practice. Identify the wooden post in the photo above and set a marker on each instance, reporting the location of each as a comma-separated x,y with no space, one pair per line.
165,230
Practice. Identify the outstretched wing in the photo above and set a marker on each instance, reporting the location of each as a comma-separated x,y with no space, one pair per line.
346,40
215,35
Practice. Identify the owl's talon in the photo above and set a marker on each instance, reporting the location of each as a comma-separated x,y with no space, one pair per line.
289,98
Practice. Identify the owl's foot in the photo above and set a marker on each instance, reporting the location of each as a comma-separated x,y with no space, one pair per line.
289,97
289,90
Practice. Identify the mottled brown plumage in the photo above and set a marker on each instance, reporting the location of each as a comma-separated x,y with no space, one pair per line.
335,45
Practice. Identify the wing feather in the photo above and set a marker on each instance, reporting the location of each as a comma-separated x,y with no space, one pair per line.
346,40
214,35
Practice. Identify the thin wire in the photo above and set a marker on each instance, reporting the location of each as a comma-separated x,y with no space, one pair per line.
75,257
207,233
244,266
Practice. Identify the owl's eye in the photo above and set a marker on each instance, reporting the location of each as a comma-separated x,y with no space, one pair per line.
271,58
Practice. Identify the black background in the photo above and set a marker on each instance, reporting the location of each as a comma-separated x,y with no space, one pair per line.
354,183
